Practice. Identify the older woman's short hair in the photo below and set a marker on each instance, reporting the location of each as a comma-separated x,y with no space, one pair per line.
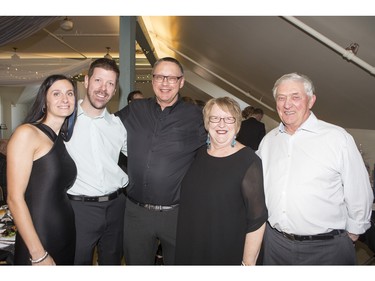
228,105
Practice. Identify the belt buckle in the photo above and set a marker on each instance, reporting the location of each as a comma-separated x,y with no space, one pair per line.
289,236
156,207
153,207
103,199
147,206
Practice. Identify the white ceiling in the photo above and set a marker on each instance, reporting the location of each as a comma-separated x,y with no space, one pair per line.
243,55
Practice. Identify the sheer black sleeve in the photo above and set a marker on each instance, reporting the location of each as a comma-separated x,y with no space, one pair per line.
253,194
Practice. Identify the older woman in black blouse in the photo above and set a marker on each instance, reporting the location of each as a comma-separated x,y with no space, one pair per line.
222,211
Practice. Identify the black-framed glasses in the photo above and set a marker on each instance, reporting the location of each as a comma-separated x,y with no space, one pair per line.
217,119
170,79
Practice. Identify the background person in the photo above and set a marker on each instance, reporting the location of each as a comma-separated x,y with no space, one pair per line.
123,159
97,194
317,189
252,129
247,112
222,208
258,114
40,171
164,134
135,95
3,170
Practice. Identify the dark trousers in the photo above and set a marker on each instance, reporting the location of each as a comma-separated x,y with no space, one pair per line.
101,225
279,250
142,230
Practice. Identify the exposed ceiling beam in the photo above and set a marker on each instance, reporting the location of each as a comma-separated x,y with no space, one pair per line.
63,42
142,38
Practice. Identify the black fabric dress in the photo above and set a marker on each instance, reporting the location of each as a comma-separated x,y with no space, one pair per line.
49,205
221,200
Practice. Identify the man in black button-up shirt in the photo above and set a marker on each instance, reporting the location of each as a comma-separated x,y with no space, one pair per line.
164,134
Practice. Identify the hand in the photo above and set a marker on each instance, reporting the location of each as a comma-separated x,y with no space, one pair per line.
352,236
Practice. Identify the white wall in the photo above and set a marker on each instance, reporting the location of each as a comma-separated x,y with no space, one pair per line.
365,140
18,113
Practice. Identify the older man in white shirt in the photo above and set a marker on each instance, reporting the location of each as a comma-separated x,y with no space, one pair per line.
317,188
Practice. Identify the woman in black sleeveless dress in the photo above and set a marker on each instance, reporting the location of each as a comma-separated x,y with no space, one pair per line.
40,171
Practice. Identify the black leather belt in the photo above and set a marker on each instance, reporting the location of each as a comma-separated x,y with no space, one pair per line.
159,208
323,236
103,198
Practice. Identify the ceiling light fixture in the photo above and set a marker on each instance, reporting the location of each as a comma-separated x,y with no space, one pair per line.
15,57
66,24
107,55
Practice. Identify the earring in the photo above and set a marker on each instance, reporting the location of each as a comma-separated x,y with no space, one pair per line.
208,141
43,109
233,142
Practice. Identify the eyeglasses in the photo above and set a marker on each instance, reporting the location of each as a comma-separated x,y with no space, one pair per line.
217,119
170,79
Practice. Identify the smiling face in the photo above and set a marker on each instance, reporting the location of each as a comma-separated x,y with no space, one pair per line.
101,87
293,105
167,93
221,133
60,99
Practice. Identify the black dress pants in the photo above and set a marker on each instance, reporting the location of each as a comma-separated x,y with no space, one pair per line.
101,225
142,230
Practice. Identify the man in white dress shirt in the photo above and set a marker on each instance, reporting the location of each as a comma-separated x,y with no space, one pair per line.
317,189
97,195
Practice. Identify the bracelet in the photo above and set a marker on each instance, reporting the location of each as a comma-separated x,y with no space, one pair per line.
40,259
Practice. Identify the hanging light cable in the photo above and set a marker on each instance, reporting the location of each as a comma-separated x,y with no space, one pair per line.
107,55
15,56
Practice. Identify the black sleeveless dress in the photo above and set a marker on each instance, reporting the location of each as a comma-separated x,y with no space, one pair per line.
49,205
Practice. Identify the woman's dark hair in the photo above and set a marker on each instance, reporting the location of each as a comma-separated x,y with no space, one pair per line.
37,113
